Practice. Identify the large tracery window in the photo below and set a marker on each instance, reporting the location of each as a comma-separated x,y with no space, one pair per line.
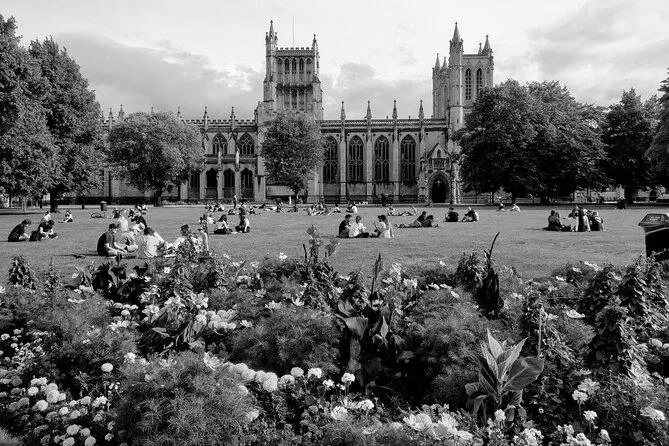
408,161
245,145
331,161
479,81
219,145
381,160
356,164
468,84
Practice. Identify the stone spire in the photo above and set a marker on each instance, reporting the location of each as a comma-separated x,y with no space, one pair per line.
314,44
121,114
480,50
456,34
205,118
111,115
436,64
487,49
343,112
232,118
394,110
421,114
368,116
178,112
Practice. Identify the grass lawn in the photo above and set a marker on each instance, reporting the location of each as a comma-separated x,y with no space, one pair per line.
522,243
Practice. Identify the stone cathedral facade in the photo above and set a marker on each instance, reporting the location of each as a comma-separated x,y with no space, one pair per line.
410,160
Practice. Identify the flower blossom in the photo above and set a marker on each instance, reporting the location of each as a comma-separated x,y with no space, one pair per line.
339,413
107,367
653,414
347,378
419,422
588,386
579,397
297,372
315,372
328,383
590,415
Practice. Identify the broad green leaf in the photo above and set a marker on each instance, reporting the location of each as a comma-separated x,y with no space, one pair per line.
495,348
523,372
356,325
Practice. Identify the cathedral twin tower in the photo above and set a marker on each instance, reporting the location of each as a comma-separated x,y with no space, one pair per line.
407,159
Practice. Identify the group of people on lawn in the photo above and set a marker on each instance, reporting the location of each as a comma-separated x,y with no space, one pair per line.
356,229
579,220
45,229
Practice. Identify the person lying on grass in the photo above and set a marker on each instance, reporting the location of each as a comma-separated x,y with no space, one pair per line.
20,233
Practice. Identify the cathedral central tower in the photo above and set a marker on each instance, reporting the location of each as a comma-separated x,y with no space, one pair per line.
291,78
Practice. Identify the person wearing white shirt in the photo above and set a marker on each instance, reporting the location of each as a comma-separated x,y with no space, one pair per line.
357,229
382,228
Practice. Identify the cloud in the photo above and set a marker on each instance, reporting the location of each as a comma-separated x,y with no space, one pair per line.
358,83
598,51
162,76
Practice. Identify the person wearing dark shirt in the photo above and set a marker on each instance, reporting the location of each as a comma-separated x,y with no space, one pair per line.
421,218
596,222
19,233
452,216
429,222
344,226
107,246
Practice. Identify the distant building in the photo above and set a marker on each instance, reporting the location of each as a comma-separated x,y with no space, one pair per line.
407,159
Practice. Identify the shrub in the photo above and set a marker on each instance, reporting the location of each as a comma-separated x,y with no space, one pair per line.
20,274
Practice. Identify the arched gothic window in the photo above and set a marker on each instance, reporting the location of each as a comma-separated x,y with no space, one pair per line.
245,145
194,182
228,178
468,84
408,161
247,179
356,165
212,179
479,81
381,160
331,161
219,144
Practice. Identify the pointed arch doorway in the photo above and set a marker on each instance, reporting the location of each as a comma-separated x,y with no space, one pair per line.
439,188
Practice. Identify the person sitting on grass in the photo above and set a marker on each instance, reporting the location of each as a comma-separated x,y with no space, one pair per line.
471,215
382,228
20,233
352,208
596,222
335,209
357,229
151,245
186,236
452,216
500,206
46,217
344,226
223,227
391,210
554,222
583,220
108,246
421,218
429,222
44,230
514,207
244,224
68,217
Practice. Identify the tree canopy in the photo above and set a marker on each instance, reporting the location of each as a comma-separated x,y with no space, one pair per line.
155,151
628,133
27,151
533,139
659,149
72,117
292,148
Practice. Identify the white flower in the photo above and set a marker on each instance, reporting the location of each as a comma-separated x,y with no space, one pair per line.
297,372
41,405
2,289
347,378
248,375
328,383
32,391
579,397
246,323
560,279
339,413
604,435
593,266
4,337
590,415
273,305
109,437
588,386
655,343
63,411
90,441
167,270
260,377
69,441
130,357
72,429
85,400
252,415
38,382
574,314
107,367
315,372
211,361
254,265
242,389
366,405
270,385
282,256
653,414
500,416
419,422
286,380
85,432
75,414
101,400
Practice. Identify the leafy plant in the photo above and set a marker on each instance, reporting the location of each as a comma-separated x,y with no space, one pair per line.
487,294
503,375
20,273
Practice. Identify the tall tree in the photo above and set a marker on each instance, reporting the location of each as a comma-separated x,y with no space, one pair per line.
26,149
658,152
73,117
292,148
628,133
155,152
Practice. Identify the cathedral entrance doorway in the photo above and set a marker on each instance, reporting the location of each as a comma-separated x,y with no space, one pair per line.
439,190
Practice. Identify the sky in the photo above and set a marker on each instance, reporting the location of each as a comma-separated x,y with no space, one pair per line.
168,54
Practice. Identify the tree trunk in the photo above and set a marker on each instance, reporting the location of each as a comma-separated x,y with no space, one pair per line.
53,201
158,198
629,195
23,204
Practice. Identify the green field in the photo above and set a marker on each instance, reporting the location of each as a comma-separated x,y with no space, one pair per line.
522,242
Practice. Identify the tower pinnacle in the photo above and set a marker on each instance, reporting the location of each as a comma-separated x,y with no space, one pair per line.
436,64
487,49
394,109
456,34
368,116
343,112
